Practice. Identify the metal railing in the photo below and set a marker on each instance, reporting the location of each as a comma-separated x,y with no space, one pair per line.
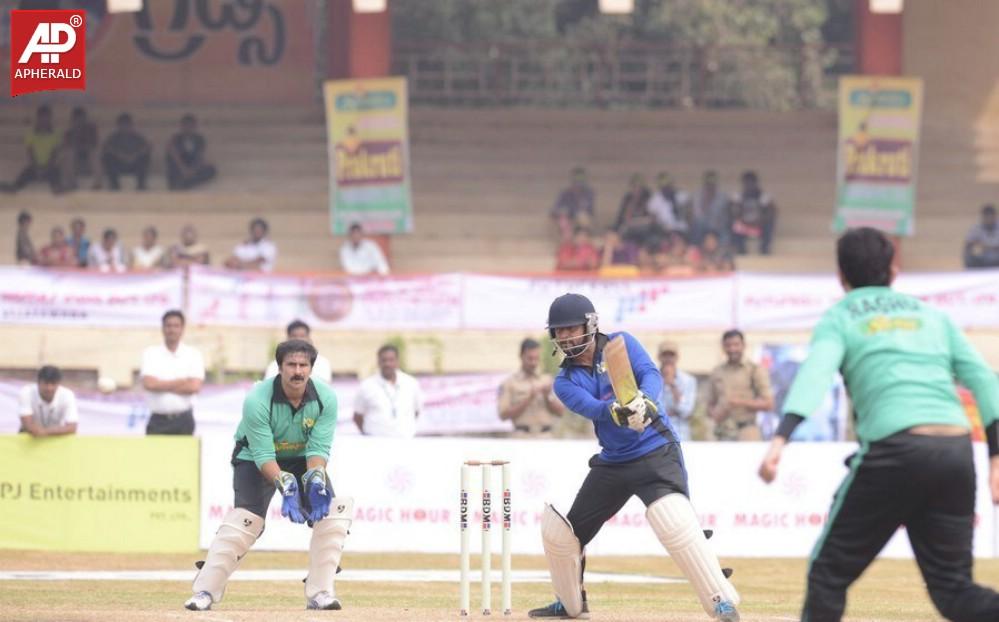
623,75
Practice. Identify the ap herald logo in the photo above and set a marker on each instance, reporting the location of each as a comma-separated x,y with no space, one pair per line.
47,51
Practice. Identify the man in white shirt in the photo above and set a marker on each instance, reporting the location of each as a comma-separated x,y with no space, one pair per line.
47,409
257,253
148,256
321,369
668,205
679,389
106,256
360,256
172,375
388,403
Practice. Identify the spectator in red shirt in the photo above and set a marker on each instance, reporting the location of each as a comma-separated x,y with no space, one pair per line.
579,253
59,253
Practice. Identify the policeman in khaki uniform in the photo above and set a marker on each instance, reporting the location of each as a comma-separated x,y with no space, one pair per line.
527,398
736,391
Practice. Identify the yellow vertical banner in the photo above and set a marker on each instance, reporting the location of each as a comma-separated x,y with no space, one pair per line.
878,148
368,143
93,493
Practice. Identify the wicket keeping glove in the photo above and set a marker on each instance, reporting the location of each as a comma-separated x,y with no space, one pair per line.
317,492
636,414
291,505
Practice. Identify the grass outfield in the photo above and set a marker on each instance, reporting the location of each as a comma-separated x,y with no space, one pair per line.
771,590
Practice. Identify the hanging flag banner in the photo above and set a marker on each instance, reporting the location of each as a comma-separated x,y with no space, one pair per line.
368,142
878,146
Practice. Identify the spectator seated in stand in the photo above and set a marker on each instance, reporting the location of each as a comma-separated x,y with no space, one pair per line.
715,257
257,253
579,253
107,256
58,253
575,206
42,143
360,256
188,251
126,152
185,157
149,255
754,215
620,257
634,222
981,246
677,257
79,142
710,211
24,249
79,241
669,207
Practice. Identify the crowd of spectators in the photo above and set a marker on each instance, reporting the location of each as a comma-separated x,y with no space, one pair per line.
256,253
663,230
63,158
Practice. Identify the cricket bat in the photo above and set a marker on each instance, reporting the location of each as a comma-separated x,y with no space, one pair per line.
619,370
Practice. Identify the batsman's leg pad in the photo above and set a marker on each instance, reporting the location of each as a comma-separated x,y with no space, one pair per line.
565,560
326,546
240,529
673,520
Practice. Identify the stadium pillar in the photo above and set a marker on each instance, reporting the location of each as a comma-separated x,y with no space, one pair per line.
878,41
359,45
879,53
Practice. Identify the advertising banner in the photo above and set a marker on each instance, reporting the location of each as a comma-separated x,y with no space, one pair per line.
116,495
79,298
406,495
368,142
878,148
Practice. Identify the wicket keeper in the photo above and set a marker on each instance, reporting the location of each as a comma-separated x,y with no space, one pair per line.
640,454
285,435
915,465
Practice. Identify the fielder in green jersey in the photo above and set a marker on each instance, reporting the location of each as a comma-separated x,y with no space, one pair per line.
285,435
900,359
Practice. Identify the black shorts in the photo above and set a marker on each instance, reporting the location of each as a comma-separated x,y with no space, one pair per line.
254,493
609,485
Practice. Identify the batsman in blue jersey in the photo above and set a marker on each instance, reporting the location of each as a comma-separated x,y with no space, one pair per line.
640,455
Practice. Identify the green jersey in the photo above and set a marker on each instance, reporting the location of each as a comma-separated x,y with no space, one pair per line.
899,358
272,430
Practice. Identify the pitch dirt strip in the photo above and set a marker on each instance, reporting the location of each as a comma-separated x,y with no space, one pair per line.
374,576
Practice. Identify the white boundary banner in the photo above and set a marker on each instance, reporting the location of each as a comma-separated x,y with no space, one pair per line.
500,302
406,495
222,297
80,298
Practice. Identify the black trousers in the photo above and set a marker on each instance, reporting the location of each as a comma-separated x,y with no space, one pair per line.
926,483
608,486
253,493
181,424
115,167
177,181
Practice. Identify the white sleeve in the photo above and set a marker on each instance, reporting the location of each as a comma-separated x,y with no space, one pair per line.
345,259
24,403
417,396
381,265
271,371
146,368
72,416
197,365
360,400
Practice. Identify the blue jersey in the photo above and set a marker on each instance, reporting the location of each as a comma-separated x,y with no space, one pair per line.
587,391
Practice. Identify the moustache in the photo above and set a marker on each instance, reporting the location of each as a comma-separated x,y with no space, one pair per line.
297,378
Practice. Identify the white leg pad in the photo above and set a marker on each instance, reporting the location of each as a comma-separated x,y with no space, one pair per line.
240,529
326,546
565,560
673,520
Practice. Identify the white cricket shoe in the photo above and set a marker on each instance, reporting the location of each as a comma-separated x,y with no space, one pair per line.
202,601
323,600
